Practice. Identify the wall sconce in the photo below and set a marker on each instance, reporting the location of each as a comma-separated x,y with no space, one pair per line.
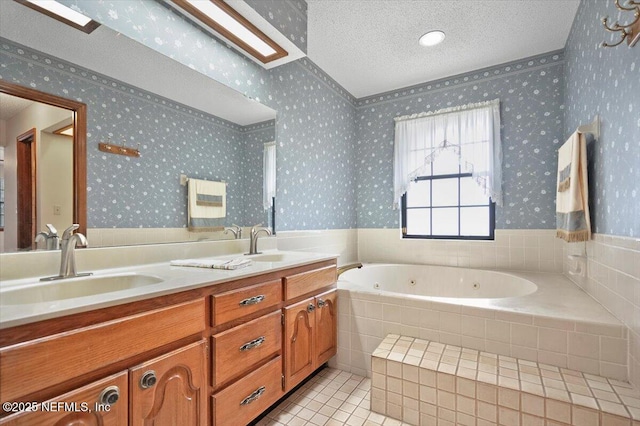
630,32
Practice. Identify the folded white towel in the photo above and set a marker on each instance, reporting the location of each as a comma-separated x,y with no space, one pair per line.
572,197
238,262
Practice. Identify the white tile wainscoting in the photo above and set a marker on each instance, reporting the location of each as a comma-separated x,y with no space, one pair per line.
514,249
613,279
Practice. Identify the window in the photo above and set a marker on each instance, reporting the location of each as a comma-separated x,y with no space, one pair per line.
447,172
446,203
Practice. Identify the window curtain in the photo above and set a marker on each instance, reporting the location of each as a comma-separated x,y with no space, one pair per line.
269,175
471,131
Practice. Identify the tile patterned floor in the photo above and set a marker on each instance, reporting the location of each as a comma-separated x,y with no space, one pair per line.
331,398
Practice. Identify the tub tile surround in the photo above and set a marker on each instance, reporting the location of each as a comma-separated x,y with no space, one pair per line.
423,382
365,318
513,249
612,278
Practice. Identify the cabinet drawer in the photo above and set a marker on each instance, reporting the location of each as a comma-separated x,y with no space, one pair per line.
247,398
235,304
307,282
113,415
238,349
31,366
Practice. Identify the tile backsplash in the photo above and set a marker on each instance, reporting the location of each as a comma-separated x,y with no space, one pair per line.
516,249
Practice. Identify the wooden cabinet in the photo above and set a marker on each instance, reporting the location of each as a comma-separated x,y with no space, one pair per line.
326,326
243,347
231,305
216,355
310,336
103,402
244,400
170,389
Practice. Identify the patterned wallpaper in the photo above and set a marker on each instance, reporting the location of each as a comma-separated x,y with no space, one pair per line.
255,137
334,152
155,25
316,117
531,108
128,192
288,16
606,81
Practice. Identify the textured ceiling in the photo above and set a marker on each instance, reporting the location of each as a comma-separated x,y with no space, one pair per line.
371,46
11,105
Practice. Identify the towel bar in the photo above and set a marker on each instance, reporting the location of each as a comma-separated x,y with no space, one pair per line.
593,127
184,179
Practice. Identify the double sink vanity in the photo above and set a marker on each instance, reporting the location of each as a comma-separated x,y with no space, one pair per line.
159,344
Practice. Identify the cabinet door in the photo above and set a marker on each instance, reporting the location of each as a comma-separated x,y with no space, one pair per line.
299,345
81,407
170,389
326,332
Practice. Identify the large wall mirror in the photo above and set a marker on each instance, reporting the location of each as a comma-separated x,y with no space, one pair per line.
181,121
44,170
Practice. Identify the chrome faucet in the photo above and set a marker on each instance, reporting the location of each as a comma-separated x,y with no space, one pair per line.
235,230
253,240
345,268
50,238
68,258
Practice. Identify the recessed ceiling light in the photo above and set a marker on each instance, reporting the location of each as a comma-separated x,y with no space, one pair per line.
432,38
62,13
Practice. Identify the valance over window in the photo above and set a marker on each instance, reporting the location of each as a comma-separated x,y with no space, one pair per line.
471,131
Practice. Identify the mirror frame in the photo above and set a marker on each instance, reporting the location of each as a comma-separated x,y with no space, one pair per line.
79,143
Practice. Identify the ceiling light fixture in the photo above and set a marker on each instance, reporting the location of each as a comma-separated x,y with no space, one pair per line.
226,21
432,38
62,13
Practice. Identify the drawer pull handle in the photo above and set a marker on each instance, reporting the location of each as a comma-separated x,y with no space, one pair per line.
252,300
254,395
253,344
109,395
148,379
321,303
311,307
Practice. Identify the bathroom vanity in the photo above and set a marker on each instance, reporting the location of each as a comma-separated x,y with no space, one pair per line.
215,353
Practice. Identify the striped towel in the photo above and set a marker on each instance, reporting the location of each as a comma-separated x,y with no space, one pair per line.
572,197
207,205
237,263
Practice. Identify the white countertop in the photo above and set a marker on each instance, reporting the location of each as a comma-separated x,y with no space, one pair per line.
174,279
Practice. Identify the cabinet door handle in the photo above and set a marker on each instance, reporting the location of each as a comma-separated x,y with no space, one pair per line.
254,395
252,344
148,379
321,303
252,300
311,307
109,395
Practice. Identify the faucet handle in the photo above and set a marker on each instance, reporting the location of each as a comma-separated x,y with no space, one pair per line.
69,231
53,232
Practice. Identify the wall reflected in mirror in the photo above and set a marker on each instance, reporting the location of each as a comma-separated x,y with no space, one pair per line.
36,172
181,121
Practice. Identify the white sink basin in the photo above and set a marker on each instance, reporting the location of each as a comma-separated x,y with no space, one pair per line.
75,287
277,257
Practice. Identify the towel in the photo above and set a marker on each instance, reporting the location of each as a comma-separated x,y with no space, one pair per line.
572,197
207,202
238,262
